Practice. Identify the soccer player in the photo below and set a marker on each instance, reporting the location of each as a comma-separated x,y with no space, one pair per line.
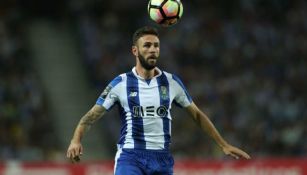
144,96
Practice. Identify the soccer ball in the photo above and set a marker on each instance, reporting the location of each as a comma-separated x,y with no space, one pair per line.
165,12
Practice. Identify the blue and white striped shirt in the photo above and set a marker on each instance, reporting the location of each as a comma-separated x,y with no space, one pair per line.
145,107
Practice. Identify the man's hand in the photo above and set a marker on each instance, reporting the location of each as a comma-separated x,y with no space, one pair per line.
235,152
74,151
75,148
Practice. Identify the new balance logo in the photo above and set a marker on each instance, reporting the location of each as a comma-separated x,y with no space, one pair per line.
133,94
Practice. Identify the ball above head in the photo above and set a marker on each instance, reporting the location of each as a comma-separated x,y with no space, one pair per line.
165,12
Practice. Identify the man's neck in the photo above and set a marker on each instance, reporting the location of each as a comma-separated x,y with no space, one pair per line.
146,74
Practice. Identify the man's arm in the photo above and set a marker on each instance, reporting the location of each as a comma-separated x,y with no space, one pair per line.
75,148
204,122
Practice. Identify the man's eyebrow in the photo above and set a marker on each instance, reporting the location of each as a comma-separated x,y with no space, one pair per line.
148,42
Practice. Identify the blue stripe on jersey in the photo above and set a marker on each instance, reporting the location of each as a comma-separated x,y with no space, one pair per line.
99,101
115,81
183,87
134,102
165,101
123,131
111,85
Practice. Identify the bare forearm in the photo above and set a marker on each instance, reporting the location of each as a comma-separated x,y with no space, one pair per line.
204,122
206,125
85,123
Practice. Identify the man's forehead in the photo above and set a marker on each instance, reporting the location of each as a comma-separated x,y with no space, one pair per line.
149,38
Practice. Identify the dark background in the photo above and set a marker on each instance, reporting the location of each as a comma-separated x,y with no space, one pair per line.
243,62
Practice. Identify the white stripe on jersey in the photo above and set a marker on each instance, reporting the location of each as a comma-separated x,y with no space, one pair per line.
129,142
149,96
117,156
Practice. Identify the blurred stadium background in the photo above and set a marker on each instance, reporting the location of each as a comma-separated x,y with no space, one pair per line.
243,62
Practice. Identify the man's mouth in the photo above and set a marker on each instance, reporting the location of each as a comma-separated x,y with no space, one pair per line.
152,57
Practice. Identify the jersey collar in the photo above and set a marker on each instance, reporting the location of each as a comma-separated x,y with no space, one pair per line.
139,77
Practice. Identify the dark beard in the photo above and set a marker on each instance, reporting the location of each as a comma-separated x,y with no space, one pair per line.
145,64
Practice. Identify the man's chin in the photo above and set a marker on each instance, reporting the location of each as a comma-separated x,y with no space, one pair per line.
150,66
149,63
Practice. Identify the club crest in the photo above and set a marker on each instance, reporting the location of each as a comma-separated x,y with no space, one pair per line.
164,92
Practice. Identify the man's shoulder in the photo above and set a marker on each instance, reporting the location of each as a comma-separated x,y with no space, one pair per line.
171,76
123,75
167,74
118,79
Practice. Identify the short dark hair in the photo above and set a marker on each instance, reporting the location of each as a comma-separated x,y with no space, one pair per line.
147,30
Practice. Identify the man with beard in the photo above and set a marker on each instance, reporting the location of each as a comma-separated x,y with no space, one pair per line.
144,96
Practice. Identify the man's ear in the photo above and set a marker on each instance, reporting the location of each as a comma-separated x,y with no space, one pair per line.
134,51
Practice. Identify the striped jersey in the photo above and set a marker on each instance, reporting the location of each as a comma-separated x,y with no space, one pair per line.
144,107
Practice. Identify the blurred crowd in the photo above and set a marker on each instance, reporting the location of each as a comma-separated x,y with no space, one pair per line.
243,62
25,126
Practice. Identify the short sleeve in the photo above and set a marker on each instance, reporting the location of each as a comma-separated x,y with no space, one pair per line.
182,97
109,95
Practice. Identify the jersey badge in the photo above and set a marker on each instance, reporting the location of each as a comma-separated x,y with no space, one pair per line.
164,92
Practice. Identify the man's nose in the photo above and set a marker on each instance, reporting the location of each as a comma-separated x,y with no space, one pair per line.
153,49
